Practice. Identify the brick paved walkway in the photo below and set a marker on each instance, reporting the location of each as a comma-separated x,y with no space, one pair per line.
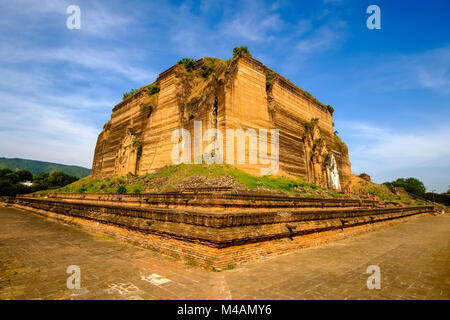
414,258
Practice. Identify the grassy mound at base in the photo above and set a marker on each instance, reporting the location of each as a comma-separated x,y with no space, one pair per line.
380,191
178,177
185,176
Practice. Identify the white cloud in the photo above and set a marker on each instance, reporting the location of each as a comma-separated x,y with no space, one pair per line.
38,123
117,61
243,22
400,148
33,8
387,152
97,20
44,132
253,25
426,70
55,95
324,38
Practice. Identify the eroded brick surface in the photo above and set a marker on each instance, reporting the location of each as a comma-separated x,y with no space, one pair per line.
414,257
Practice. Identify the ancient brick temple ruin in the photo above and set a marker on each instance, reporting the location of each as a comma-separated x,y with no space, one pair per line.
218,227
240,93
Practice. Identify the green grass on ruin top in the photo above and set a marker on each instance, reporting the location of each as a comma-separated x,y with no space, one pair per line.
166,178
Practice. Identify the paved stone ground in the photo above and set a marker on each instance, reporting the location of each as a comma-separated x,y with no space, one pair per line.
414,258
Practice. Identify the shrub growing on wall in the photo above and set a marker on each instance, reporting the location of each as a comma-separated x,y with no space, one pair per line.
329,108
129,94
153,88
188,63
270,76
206,71
241,50
191,115
148,109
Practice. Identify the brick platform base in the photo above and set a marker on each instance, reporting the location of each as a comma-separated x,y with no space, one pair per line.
220,239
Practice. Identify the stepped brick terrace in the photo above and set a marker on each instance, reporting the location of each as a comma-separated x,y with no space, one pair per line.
220,228
35,253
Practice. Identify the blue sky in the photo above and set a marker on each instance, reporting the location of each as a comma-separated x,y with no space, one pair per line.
390,87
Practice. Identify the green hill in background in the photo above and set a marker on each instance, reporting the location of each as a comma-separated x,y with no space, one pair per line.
36,167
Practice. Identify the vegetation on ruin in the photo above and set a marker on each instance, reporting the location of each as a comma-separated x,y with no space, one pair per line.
241,50
179,177
270,76
129,94
383,192
309,95
153,88
329,108
326,158
191,262
309,125
188,63
340,142
199,83
148,109
379,191
206,71
191,115
314,99
175,176
138,145
209,67
228,63
121,189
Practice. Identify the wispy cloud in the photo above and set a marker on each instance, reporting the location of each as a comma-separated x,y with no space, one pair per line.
324,38
197,34
383,151
97,20
254,23
44,132
100,60
102,22
116,61
426,70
